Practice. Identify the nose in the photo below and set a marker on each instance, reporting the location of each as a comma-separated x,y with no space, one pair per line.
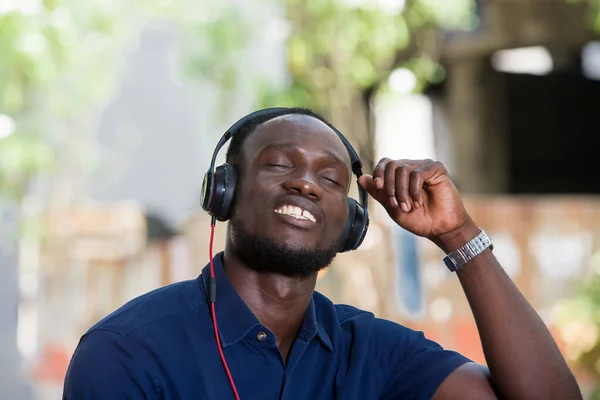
305,186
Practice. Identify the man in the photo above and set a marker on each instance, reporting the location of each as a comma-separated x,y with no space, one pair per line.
283,340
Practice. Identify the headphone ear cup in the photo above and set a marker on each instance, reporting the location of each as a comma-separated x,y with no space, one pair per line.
356,226
225,181
229,193
349,223
207,191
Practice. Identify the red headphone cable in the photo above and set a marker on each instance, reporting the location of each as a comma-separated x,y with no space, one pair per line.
212,296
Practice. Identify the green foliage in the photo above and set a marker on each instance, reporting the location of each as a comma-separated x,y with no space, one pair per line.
338,49
22,156
593,17
340,54
212,48
36,49
578,317
58,62
335,49
578,320
332,44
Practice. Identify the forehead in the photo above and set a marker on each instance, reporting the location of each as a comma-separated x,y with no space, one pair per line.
303,131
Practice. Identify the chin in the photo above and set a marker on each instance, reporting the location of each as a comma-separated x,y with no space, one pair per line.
283,255
292,243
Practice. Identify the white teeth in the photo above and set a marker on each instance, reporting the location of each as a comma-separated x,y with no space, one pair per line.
296,212
308,216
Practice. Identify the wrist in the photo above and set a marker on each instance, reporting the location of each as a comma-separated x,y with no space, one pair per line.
455,239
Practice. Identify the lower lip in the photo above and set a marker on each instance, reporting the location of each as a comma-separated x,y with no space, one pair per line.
300,223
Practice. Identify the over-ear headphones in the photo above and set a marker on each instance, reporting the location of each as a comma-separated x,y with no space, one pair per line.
218,188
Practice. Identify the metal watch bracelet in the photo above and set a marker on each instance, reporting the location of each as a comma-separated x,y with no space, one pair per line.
456,259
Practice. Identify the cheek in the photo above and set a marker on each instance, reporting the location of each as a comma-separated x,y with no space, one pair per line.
246,198
338,220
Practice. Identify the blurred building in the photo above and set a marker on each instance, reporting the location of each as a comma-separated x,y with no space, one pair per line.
515,122
521,99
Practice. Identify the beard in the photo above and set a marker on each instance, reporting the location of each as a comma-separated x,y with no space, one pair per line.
267,254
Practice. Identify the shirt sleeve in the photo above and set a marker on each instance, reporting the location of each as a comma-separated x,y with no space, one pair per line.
106,365
415,365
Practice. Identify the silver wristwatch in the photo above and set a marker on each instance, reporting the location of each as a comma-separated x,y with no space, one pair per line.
456,259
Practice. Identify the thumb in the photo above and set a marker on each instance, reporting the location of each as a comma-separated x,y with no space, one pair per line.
367,182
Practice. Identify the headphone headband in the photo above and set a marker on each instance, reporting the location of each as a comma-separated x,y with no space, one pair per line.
355,162
235,127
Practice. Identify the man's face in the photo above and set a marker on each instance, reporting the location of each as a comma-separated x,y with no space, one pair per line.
291,200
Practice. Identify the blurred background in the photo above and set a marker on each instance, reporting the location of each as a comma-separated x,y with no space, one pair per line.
110,110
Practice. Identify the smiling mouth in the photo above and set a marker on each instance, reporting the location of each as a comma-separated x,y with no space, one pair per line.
297,213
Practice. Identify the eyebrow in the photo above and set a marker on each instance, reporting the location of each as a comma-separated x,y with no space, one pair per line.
291,147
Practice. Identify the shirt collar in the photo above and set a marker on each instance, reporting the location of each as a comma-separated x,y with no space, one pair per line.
234,318
311,328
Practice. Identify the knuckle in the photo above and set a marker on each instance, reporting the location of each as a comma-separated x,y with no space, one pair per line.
390,166
416,174
403,170
383,162
439,164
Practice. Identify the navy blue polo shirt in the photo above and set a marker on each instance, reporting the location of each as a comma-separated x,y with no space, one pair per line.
162,346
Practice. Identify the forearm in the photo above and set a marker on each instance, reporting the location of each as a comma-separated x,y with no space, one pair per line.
522,356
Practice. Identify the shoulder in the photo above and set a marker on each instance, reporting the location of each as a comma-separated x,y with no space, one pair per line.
348,316
108,365
154,306
112,359
412,366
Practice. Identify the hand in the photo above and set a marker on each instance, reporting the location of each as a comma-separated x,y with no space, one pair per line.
420,197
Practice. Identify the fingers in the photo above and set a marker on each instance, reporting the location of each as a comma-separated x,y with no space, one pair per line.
368,183
424,175
416,182
395,175
378,172
400,183
389,183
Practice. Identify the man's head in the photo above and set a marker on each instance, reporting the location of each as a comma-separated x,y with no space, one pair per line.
291,203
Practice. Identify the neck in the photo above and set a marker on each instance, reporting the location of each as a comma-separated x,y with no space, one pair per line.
279,302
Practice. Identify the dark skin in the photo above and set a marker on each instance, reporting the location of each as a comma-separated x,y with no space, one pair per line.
285,158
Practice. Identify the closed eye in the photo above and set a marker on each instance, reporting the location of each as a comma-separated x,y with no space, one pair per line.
278,165
334,181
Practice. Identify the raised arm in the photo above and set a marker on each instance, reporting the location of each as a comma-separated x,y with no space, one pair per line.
523,359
